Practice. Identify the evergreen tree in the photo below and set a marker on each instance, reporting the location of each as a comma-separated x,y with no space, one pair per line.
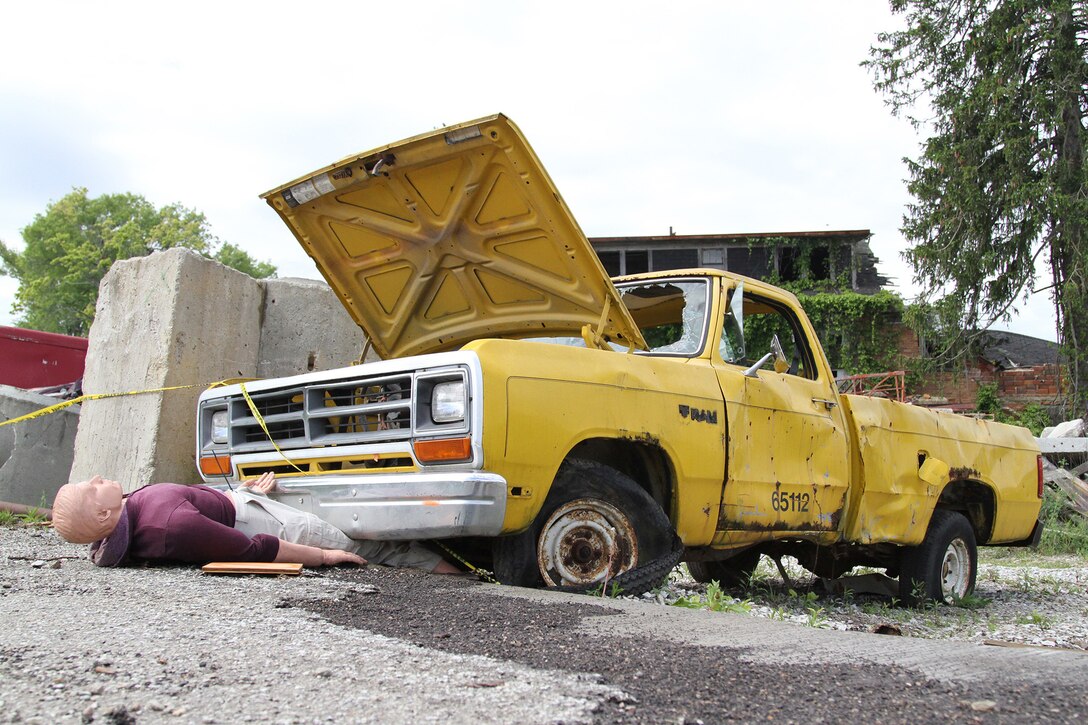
1000,87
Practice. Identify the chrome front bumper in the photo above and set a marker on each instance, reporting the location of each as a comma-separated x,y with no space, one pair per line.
403,505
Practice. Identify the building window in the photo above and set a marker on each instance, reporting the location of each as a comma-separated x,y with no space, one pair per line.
665,259
749,262
611,262
793,266
788,264
819,262
842,259
713,257
637,261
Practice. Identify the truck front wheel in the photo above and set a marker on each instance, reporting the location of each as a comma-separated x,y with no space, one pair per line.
943,567
595,524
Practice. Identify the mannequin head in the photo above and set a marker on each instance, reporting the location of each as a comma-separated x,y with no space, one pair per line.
87,511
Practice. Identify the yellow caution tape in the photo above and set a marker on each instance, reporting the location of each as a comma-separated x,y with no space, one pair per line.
482,573
257,415
241,382
82,398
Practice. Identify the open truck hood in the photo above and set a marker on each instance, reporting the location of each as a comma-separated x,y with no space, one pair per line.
451,236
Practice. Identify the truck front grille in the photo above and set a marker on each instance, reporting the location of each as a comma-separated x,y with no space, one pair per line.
357,411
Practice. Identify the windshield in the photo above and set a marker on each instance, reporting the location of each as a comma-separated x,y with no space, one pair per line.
671,314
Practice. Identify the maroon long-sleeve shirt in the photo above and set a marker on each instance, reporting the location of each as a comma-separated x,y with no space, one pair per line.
192,524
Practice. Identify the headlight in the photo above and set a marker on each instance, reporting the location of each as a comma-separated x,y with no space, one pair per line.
448,402
220,426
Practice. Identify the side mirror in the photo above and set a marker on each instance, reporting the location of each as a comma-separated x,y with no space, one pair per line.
781,365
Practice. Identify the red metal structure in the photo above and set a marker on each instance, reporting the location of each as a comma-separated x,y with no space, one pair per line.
34,359
881,385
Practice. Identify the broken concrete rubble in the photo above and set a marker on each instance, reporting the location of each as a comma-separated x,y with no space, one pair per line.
1065,451
175,318
35,455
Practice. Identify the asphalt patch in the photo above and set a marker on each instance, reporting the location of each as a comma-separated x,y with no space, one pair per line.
665,682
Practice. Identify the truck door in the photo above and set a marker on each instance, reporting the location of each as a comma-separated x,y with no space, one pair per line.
787,452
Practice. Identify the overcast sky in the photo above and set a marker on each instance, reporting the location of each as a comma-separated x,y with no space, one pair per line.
706,117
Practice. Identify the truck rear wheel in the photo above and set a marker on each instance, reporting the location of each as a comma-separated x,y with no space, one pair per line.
943,567
596,524
731,573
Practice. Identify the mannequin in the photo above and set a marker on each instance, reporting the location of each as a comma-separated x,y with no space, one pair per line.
197,524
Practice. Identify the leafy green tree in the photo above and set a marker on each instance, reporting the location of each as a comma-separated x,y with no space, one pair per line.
1001,89
240,260
70,247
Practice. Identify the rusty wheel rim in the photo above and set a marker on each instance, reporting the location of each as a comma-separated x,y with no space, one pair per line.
955,571
584,542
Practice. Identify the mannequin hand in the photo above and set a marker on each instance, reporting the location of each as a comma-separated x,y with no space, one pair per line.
265,483
332,557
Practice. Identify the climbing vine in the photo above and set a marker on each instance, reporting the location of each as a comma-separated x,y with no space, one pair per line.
860,333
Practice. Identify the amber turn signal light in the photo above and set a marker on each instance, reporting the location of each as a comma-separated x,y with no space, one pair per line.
443,450
215,465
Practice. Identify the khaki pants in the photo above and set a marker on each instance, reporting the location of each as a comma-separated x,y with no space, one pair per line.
258,514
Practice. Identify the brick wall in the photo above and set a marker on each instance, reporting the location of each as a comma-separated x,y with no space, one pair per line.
1016,388
960,387
1038,384
909,346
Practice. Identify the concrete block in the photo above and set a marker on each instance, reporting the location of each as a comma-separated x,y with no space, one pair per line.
305,328
171,318
35,455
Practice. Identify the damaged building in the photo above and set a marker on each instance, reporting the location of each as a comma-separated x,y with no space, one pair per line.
782,256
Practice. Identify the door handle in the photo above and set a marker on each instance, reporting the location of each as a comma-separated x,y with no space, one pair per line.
828,403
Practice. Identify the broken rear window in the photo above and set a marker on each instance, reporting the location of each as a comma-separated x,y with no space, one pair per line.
671,314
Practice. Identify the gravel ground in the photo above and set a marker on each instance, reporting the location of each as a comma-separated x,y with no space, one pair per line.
168,644
78,643
1020,598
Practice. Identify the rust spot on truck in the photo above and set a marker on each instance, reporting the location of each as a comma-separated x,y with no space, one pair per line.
962,474
832,525
823,522
645,438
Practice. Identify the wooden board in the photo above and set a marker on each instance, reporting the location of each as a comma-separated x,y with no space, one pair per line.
251,567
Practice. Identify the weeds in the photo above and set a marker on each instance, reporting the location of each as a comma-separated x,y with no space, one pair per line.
970,601
1011,574
876,608
612,592
817,618
1065,531
715,600
1041,621
1028,583
32,517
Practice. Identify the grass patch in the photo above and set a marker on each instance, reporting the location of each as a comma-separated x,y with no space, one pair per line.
1042,621
715,600
971,601
31,517
1070,537
1065,531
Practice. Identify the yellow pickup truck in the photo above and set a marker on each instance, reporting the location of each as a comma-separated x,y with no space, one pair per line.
571,430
